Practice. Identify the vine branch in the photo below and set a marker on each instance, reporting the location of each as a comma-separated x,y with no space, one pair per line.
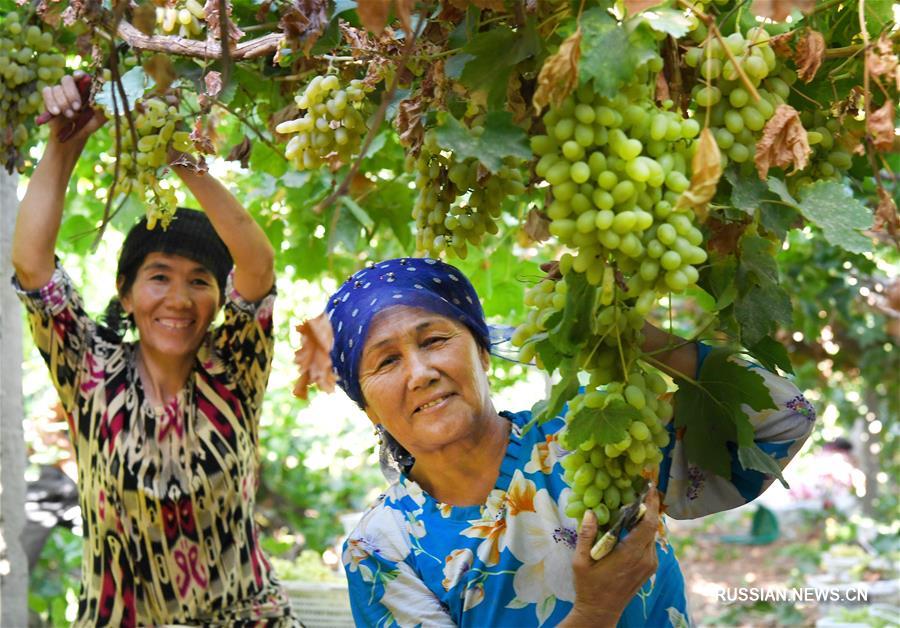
210,50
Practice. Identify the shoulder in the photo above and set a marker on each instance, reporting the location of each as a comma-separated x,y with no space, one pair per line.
382,529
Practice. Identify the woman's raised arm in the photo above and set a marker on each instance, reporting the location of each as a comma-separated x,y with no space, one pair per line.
254,257
40,212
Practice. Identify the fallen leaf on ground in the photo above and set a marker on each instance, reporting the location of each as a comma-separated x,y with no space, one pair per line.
783,142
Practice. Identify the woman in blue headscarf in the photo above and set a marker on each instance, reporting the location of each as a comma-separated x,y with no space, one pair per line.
473,529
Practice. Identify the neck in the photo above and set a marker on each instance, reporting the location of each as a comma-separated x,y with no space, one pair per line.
162,376
465,473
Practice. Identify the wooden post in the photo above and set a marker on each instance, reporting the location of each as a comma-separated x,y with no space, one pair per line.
13,563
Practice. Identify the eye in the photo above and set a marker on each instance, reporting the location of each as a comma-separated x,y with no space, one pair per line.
201,282
385,362
434,341
158,277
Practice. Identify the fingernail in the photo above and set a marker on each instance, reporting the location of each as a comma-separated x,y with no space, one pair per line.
76,106
54,110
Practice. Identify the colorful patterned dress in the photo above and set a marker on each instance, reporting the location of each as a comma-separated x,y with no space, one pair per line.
167,493
414,561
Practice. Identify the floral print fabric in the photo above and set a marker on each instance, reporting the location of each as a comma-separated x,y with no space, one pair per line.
167,493
414,561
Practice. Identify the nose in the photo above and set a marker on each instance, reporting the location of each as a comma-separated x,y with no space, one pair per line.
180,296
421,373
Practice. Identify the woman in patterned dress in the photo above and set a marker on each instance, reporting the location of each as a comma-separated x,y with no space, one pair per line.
165,428
473,531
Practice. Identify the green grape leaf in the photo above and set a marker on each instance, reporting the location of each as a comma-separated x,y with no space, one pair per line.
611,52
747,191
669,21
832,207
771,354
757,261
719,281
779,187
605,425
264,159
492,55
712,410
134,82
575,324
501,139
752,457
759,311
358,212
561,393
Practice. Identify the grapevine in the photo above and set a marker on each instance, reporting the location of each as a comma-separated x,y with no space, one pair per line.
181,18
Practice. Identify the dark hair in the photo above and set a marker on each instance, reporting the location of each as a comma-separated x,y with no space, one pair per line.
190,235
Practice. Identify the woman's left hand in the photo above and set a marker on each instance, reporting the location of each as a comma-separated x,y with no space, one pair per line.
604,588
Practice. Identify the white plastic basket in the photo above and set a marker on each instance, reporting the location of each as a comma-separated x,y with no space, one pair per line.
320,604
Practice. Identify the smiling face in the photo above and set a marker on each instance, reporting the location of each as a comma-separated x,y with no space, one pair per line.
173,300
424,378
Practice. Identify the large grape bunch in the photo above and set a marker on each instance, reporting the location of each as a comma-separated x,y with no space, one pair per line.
181,18
27,65
459,200
141,167
616,168
829,158
737,121
332,127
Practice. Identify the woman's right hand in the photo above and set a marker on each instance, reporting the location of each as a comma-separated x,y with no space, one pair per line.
604,588
64,103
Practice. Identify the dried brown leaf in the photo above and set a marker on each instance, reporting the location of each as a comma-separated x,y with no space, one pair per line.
706,170
724,236
810,53
160,68
636,6
559,74
537,225
778,10
213,82
201,139
214,21
515,102
143,18
880,125
662,88
783,142
241,152
373,14
781,44
886,219
303,22
404,8
882,61
313,358
409,123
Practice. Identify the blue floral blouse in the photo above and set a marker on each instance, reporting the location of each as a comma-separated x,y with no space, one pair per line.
414,561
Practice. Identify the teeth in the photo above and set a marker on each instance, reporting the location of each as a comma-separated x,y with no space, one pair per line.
432,403
175,324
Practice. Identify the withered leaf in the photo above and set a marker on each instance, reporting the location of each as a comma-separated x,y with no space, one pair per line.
880,125
537,225
810,52
781,44
160,68
882,61
144,18
404,10
559,74
783,142
636,6
241,152
313,358
213,82
373,14
778,10
886,218
202,141
214,20
409,123
662,88
515,103
724,236
706,170
303,22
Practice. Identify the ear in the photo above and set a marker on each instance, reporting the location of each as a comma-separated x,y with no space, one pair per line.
374,419
485,356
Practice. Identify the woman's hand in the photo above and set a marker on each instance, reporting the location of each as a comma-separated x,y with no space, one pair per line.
64,102
604,588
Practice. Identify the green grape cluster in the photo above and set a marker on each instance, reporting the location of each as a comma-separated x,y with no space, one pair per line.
181,18
332,127
545,299
141,167
459,200
721,96
27,65
616,168
606,475
829,160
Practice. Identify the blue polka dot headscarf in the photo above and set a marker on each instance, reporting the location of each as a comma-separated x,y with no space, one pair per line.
412,281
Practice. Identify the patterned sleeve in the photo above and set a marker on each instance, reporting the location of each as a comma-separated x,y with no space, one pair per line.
61,330
384,589
245,342
691,492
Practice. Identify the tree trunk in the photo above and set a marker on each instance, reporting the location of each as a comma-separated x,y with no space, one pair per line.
13,563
